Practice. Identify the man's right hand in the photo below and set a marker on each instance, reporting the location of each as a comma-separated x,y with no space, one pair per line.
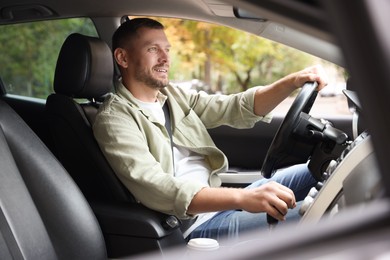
272,198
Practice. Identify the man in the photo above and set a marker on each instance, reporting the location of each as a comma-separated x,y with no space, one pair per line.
130,129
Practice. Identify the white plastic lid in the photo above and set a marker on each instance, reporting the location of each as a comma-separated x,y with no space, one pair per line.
203,244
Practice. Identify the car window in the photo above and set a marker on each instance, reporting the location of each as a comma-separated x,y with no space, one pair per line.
29,53
217,59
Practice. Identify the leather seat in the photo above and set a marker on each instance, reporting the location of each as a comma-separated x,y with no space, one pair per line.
85,70
43,214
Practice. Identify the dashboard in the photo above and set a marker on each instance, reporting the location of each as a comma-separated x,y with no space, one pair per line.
351,180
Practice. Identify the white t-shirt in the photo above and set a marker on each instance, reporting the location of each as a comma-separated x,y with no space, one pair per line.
188,165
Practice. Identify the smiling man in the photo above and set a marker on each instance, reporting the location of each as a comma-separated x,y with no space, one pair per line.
181,177
144,62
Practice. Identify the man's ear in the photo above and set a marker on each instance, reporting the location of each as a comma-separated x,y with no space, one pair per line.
120,56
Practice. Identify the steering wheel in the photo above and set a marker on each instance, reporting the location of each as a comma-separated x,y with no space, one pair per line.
280,153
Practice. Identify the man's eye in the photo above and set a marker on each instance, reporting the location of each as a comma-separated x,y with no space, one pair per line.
153,49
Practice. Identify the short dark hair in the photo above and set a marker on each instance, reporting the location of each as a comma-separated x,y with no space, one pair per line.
128,30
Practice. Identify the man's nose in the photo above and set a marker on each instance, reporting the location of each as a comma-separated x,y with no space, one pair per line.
164,56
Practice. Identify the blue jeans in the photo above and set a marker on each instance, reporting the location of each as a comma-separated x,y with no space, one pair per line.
231,223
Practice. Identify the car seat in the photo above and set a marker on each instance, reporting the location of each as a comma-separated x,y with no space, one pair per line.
43,214
84,75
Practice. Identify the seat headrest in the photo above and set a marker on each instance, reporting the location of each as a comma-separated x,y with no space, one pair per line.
85,67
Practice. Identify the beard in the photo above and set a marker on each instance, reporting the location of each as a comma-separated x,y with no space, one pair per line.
146,78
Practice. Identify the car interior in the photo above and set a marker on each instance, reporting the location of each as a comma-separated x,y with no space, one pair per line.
60,199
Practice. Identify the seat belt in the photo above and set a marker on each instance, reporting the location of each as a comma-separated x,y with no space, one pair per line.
185,223
169,129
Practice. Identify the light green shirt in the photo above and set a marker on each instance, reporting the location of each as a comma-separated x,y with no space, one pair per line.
138,147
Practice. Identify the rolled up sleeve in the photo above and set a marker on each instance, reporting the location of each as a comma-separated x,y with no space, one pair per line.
236,110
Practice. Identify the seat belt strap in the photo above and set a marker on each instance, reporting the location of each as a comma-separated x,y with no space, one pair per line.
169,129
185,223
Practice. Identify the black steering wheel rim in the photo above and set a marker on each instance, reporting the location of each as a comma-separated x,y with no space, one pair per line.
283,137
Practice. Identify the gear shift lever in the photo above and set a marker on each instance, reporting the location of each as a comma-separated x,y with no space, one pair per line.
272,222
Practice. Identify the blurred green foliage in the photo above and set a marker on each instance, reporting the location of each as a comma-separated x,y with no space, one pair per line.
29,53
228,60
223,59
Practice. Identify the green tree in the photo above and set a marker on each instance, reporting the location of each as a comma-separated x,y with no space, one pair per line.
229,60
30,50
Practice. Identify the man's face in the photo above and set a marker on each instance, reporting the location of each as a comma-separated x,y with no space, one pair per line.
149,58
